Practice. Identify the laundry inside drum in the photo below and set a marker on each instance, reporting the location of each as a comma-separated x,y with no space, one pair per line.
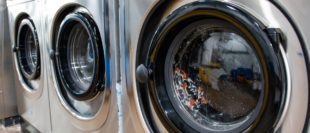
217,76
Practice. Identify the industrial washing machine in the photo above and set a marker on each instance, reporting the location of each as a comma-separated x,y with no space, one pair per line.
8,105
27,47
81,66
214,66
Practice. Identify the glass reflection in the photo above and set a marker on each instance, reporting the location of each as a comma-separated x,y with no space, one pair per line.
217,76
81,57
30,51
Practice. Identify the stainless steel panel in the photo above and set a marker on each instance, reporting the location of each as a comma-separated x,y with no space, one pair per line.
294,115
8,105
33,105
299,13
2,6
135,12
64,119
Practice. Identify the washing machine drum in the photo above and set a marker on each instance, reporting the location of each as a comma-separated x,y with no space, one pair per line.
79,59
214,70
28,50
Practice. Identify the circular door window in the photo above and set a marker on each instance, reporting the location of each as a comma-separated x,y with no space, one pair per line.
79,62
214,70
28,50
214,76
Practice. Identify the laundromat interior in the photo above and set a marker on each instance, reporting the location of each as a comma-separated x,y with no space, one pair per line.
144,66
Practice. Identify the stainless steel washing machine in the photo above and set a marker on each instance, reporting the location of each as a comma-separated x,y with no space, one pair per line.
27,46
81,66
214,66
8,105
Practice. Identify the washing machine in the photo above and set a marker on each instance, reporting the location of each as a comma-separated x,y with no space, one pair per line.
8,105
81,66
214,66
27,47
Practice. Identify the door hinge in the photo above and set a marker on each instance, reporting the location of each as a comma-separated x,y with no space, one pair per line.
276,37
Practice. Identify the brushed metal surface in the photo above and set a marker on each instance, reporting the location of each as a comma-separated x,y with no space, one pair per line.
8,105
64,119
299,13
293,116
1,44
33,104
2,6
135,12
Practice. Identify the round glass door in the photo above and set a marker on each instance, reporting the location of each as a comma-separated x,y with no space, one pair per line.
79,64
28,50
211,68
79,60
214,76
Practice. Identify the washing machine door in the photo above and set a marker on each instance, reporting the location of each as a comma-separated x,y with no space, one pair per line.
28,51
79,64
213,68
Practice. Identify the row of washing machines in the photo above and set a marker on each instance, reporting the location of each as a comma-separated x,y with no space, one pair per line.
161,66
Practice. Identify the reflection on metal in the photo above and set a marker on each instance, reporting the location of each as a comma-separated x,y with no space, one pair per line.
31,93
287,97
8,105
79,64
211,77
78,35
